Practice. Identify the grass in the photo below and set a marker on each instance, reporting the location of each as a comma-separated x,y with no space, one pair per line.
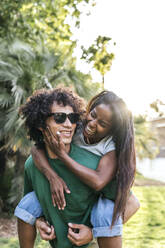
13,243
145,230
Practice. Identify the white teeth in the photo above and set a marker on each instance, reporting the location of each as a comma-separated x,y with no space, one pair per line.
89,130
67,133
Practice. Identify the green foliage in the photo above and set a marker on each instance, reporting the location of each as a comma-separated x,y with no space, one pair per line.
9,12
10,188
146,141
16,192
44,60
5,183
36,51
157,107
28,20
24,69
98,55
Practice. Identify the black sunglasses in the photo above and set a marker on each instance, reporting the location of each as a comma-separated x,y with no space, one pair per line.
61,117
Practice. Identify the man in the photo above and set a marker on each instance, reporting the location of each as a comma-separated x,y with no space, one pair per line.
59,111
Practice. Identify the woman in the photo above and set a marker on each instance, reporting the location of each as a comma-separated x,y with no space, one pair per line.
108,121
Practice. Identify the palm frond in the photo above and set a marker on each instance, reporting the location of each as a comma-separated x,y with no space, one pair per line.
5,98
10,120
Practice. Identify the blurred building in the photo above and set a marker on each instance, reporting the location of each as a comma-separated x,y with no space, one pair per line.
159,125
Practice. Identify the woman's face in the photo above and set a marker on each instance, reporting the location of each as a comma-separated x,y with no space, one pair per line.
99,122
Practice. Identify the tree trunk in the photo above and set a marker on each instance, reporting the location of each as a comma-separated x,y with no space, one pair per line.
103,81
20,161
2,158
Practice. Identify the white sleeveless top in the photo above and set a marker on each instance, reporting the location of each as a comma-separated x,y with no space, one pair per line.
100,148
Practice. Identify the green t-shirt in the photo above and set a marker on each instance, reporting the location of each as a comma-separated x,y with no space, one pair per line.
78,204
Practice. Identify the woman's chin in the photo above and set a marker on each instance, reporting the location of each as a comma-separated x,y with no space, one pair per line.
88,136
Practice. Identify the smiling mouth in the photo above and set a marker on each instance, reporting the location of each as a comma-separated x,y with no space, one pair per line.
66,133
88,131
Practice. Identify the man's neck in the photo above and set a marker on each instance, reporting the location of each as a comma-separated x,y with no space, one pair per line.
53,155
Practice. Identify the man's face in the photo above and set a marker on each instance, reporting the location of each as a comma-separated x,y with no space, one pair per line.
66,128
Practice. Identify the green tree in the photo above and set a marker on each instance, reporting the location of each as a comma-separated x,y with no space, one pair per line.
146,141
99,56
27,20
24,69
44,59
157,107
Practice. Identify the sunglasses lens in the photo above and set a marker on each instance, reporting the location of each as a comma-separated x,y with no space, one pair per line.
60,117
73,117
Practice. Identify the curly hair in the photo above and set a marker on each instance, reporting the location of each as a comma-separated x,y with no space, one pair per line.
38,106
122,132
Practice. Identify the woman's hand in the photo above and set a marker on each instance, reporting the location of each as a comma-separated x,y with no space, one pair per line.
57,184
55,143
46,231
58,187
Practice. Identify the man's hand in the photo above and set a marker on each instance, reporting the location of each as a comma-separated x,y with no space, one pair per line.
46,232
81,236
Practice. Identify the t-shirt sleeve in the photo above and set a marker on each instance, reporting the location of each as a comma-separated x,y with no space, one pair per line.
27,178
109,145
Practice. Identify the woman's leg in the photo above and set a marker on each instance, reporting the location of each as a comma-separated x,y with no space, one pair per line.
26,234
29,208
112,242
27,211
101,219
132,206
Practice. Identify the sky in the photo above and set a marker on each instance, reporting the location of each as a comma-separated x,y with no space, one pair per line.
138,28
